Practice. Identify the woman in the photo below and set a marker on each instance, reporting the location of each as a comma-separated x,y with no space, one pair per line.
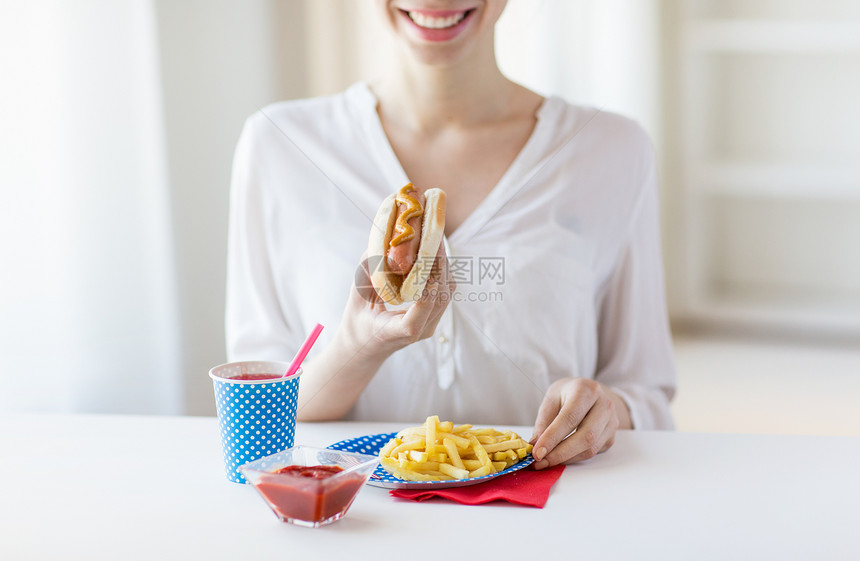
558,315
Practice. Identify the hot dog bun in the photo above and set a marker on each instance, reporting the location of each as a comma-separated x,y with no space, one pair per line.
393,288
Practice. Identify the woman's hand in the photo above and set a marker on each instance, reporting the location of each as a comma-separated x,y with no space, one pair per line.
374,331
577,420
368,334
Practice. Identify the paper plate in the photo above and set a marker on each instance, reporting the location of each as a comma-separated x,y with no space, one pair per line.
373,443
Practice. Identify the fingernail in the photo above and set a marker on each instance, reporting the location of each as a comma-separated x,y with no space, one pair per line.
540,453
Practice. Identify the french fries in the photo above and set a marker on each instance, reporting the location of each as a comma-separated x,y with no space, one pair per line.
438,451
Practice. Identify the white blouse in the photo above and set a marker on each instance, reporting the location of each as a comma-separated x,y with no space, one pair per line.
558,270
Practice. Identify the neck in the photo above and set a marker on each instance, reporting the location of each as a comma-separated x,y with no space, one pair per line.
427,97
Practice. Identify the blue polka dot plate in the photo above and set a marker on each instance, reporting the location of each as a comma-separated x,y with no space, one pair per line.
373,443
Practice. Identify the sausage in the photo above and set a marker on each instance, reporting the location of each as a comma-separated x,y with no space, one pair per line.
401,255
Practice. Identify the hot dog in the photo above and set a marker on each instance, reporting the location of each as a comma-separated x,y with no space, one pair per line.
404,240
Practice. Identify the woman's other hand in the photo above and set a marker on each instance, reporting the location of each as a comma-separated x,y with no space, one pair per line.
576,421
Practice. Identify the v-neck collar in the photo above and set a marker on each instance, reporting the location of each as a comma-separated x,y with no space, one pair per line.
511,182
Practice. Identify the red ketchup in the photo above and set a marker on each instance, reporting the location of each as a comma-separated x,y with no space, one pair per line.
309,493
256,377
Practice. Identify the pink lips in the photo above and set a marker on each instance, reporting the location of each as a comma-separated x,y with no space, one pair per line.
437,35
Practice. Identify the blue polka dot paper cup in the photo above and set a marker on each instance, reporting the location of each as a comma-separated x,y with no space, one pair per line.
256,411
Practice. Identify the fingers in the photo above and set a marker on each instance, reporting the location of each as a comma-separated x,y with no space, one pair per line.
548,411
393,329
586,442
575,422
363,291
440,270
416,318
440,286
421,319
567,403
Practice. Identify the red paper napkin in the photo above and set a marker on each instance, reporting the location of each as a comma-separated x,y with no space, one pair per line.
526,487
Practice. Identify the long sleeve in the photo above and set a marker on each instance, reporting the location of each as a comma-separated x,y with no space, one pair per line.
635,354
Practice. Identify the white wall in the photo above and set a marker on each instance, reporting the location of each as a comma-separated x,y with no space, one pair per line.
87,296
603,53
219,64
762,144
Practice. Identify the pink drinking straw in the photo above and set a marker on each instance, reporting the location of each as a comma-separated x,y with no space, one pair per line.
304,350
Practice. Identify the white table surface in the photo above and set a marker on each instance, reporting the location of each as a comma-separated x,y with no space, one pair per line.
125,488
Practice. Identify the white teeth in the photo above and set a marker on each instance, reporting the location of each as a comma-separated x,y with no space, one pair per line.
436,23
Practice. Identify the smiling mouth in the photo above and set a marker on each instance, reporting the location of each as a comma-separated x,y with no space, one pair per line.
432,22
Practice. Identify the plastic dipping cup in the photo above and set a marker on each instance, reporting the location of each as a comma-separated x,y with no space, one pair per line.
256,415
